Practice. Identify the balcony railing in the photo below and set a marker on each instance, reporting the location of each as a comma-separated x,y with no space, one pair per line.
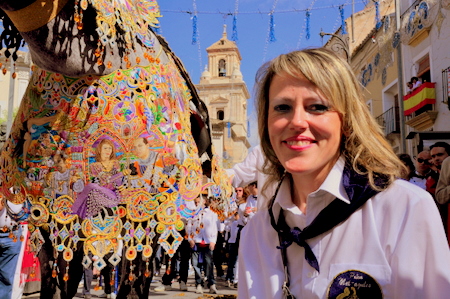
390,121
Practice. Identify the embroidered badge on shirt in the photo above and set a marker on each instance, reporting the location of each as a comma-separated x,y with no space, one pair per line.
354,284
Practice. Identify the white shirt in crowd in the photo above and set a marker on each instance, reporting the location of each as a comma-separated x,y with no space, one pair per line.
207,224
242,221
419,181
395,241
232,229
252,203
249,171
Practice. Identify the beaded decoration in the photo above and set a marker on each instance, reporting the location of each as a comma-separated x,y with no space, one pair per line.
109,161
131,201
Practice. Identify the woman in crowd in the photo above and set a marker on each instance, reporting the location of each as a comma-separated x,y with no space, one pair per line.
347,227
410,169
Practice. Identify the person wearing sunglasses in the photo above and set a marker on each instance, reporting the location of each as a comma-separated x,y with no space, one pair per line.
423,169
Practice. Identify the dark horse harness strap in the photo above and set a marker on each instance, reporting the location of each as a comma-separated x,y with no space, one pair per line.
358,191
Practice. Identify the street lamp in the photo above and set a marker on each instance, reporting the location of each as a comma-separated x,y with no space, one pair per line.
338,44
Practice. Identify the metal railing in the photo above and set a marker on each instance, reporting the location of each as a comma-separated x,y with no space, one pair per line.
390,121
446,86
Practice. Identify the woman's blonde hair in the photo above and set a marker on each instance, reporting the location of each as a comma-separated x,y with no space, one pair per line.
363,144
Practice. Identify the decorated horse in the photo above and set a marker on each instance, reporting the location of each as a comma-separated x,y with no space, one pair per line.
110,144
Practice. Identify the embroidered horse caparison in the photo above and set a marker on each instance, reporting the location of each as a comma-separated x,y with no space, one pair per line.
102,145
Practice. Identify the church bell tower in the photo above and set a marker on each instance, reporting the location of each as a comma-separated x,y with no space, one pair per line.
225,93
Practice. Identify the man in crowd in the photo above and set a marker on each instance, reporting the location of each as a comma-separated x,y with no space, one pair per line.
202,232
443,185
252,200
423,169
439,152
11,216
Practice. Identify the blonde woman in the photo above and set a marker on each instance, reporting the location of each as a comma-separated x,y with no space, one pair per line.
340,222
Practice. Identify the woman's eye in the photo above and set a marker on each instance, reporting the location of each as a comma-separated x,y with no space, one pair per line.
282,108
318,108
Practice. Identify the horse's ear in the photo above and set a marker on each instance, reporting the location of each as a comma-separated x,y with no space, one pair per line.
200,126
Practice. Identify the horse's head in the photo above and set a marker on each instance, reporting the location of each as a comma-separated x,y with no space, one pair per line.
67,37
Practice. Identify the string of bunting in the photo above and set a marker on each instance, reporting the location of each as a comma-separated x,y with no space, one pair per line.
271,38
196,34
377,15
308,16
306,25
234,36
343,27
271,30
194,24
294,10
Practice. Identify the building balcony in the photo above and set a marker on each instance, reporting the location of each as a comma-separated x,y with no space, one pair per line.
419,107
390,121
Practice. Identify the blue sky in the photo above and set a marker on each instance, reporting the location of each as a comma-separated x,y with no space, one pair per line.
290,31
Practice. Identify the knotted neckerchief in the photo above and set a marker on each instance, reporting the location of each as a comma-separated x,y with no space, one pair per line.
358,190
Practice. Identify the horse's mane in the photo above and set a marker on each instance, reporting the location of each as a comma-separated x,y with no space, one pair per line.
10,37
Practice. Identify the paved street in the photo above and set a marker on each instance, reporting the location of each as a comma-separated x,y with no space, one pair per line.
224,291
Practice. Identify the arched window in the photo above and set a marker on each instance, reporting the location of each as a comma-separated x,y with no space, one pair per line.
220,115
222,68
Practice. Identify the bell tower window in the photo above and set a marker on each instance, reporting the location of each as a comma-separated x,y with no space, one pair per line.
222,68
220,115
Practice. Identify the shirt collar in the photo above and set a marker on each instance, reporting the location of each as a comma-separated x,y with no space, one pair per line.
332,184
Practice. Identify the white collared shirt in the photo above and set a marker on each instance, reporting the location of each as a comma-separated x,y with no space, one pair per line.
204,227
233,231
248,171
395,241
242,221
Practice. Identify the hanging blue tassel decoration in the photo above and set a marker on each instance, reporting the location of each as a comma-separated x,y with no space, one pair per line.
248,129
272,30
308,15
229,129
157,30
234,36
341,11
377,15
194,30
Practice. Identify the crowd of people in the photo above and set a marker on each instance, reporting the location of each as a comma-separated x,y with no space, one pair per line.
210,245
413,84
429,172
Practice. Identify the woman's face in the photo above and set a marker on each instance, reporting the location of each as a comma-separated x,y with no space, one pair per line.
106,151
304,130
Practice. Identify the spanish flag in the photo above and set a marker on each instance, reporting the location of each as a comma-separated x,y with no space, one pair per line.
422,95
